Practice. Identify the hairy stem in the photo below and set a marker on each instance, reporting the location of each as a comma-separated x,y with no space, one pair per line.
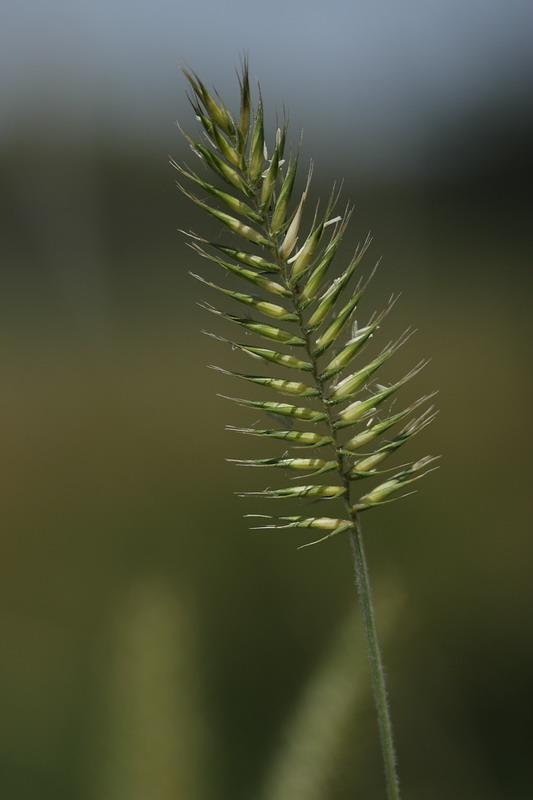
376,664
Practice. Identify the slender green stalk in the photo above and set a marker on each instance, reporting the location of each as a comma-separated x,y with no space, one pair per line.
376,663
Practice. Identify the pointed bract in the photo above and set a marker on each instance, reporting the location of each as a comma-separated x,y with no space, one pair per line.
347,387
373,431
263,353
352,347
232,223
381,493
282,203
233,203
257,147
246,108
291,237
318,465
305,439
273,172
358,409
330,297
269,309
279,385
318,274
218,112
333,331
267,331
253,277
324,492
333,526
283,409
369,462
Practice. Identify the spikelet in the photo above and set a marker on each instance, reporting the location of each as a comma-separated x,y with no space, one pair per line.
289,268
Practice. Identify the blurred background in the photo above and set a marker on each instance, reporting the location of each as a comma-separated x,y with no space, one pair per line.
152,647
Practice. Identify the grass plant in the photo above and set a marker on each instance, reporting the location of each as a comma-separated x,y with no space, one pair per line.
336,414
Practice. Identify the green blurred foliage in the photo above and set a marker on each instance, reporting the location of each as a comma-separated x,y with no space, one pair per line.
114,480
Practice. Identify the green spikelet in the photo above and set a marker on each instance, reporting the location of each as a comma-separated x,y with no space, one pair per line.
266,248
306,439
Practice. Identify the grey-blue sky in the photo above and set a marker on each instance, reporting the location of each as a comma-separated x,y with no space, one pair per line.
384,71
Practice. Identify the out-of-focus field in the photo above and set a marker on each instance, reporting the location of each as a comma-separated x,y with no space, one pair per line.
153,648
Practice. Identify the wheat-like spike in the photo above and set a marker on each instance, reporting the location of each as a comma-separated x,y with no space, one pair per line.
235,150
274,251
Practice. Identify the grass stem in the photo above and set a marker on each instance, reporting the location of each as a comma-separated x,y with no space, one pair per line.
376,662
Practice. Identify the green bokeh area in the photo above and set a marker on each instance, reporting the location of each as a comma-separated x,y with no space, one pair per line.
154,648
